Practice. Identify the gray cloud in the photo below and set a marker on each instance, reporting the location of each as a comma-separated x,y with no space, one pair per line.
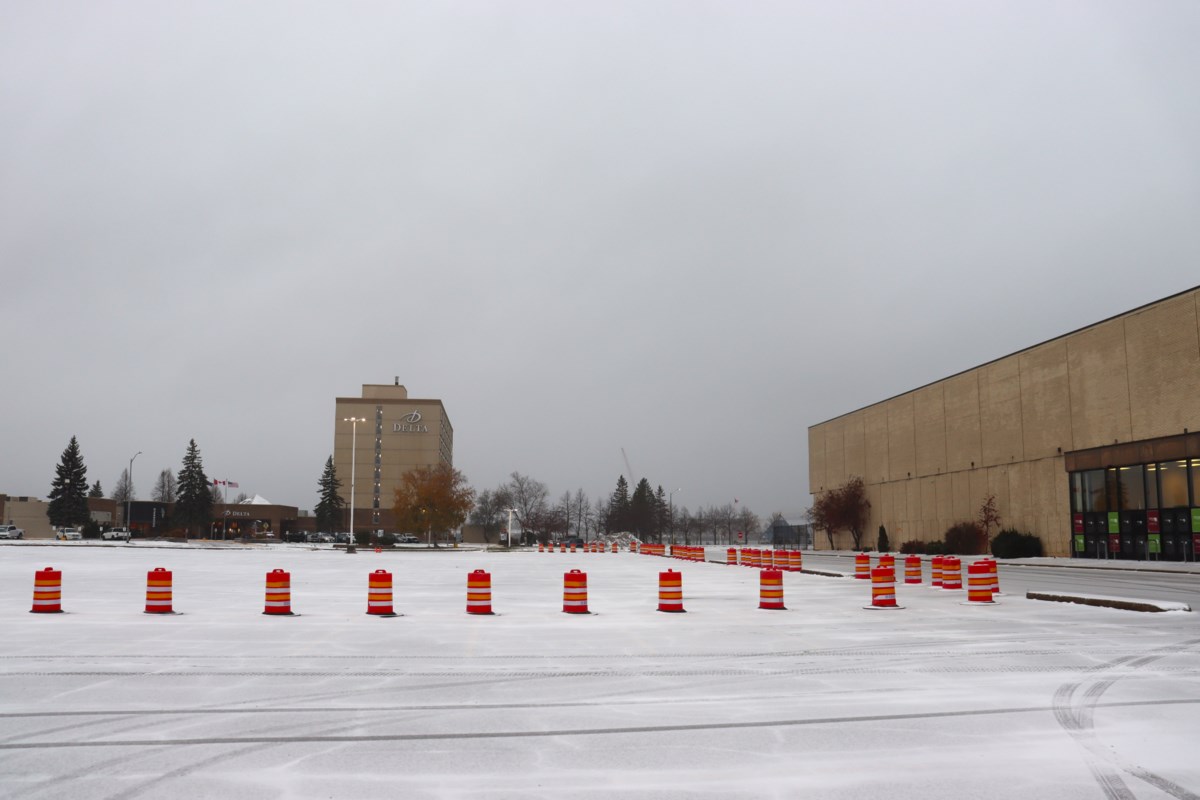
686,229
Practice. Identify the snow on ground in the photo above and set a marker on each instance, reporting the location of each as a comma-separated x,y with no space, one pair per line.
938,700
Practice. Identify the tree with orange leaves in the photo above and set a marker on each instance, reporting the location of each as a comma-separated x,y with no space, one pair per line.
431,499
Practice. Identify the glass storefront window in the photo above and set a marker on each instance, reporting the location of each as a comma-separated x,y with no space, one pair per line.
1196,481
1076,492
1173,481
1132,488
1095,497
1152,486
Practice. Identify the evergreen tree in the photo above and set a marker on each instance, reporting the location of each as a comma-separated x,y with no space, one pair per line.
96,490
662,513
68,492
643,514
330,505
618,508
193,508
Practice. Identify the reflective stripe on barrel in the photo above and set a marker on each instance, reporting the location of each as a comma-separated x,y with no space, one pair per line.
479,592
951,573
883,587
994,574
47,591
575,595
770,589
379,593
158,591
670,591
279,592
912,569
979,583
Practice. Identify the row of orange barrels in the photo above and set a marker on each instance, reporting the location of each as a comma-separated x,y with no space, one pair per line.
785,560
945,571
586,547
47,592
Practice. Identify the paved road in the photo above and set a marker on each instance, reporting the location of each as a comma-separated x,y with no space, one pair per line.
1145,582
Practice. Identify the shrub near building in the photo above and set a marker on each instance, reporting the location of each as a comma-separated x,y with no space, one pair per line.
1010,543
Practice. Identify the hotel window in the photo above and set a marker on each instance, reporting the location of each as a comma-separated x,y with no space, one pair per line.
1173,483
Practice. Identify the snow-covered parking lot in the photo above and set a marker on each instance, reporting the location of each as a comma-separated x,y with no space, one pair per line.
937,700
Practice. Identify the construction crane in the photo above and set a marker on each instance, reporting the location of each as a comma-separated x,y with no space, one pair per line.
628,469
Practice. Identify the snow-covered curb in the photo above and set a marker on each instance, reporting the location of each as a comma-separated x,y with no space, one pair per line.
1110,602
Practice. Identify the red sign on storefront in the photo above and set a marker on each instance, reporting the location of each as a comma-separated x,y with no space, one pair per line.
1077,523
1152,522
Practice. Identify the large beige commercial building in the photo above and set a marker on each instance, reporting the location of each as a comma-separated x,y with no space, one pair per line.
397,433
1090,440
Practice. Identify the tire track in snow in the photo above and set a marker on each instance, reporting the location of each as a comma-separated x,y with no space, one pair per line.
1078,720
636,729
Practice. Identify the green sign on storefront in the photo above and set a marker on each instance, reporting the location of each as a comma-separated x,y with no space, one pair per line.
1079,543
1196,520
1155,542
1114,522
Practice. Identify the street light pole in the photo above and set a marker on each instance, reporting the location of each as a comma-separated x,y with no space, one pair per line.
129,496
353,457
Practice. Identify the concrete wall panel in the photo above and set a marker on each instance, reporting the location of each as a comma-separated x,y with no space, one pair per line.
929,415
1099,385
1045,401
875,424
961,397
901,443
1000,412
1164,368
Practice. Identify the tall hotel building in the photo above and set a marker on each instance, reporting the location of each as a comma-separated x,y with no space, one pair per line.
395,434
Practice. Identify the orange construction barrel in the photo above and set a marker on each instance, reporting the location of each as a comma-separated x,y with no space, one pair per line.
479,592
47,591
158,591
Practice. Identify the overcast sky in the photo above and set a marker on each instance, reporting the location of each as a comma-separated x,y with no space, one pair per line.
686,229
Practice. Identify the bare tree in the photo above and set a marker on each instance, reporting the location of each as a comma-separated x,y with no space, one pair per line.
123,492
166,487
491,512
583,512
747,521
564,511
528,497
989,518
845,507
685,523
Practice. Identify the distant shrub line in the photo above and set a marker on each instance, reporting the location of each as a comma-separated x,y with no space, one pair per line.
965,539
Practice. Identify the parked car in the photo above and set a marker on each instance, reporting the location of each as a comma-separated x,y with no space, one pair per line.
408,538
117,534
11,532
69,534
